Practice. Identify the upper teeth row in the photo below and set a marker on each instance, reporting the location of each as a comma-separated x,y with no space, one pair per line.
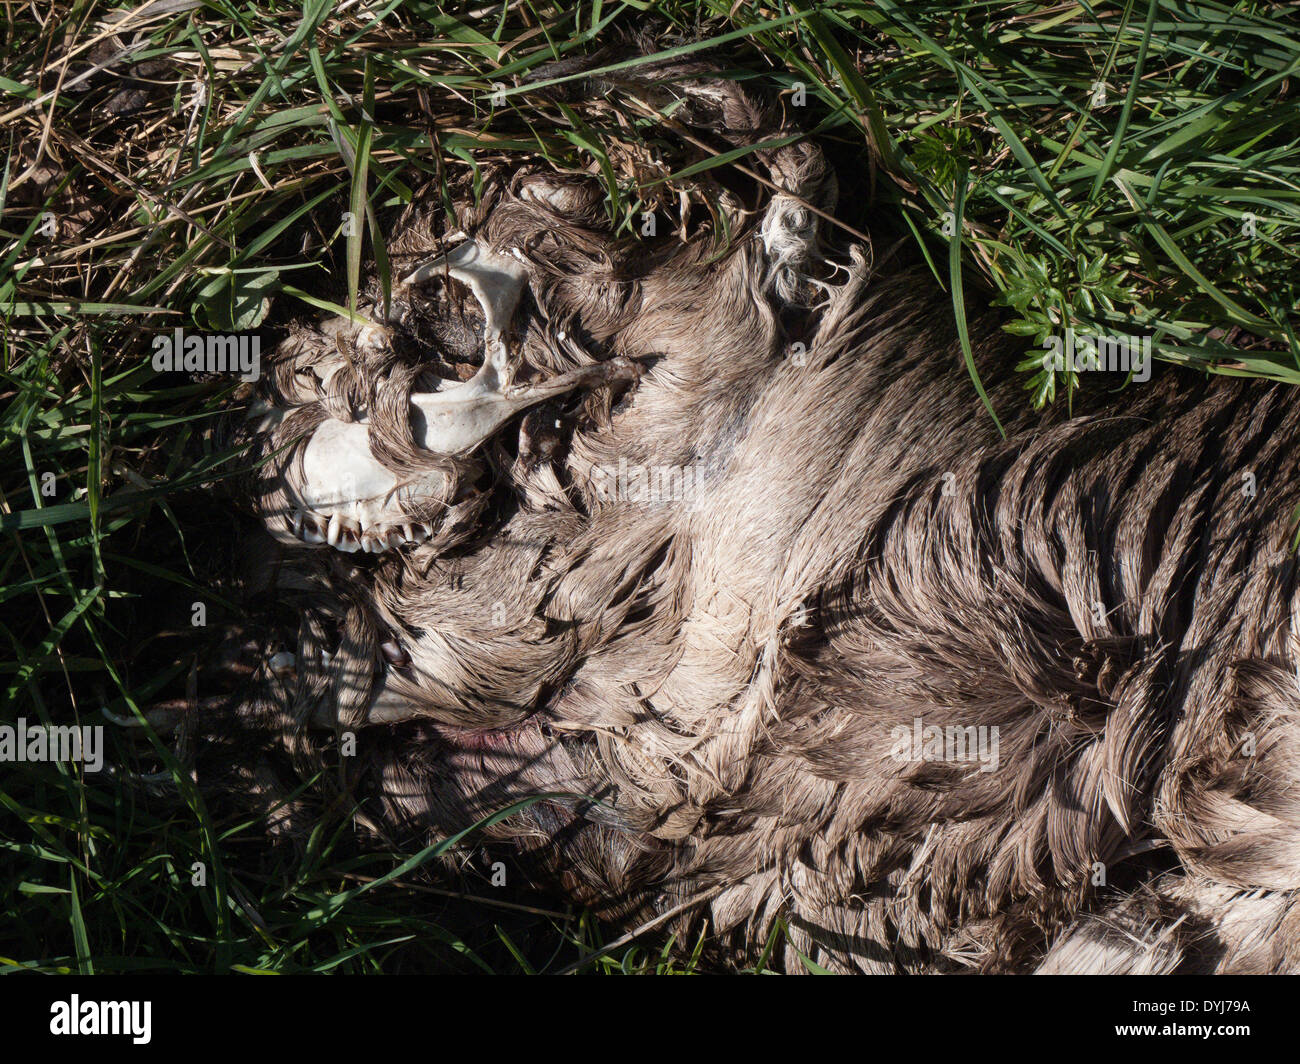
347,535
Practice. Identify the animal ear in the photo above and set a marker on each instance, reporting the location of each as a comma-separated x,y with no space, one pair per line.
1232,806
495,279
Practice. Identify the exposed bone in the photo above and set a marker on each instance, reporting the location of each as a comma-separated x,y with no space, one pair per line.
357,496
459,419
495,280
350,500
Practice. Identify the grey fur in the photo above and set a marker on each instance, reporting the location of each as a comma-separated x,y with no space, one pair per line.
722,675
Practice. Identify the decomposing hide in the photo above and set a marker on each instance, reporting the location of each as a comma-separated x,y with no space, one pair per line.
726,546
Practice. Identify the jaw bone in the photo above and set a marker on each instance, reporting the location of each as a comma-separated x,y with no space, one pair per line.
351,501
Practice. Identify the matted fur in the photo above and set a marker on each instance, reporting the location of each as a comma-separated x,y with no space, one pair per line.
722,675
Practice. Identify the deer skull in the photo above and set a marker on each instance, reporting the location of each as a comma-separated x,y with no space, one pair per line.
347,499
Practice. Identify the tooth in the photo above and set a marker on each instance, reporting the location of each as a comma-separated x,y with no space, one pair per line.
282,663
342,533
425,531
311,530
297,523
349,536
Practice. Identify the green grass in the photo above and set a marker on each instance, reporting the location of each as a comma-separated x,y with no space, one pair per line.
1084,165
